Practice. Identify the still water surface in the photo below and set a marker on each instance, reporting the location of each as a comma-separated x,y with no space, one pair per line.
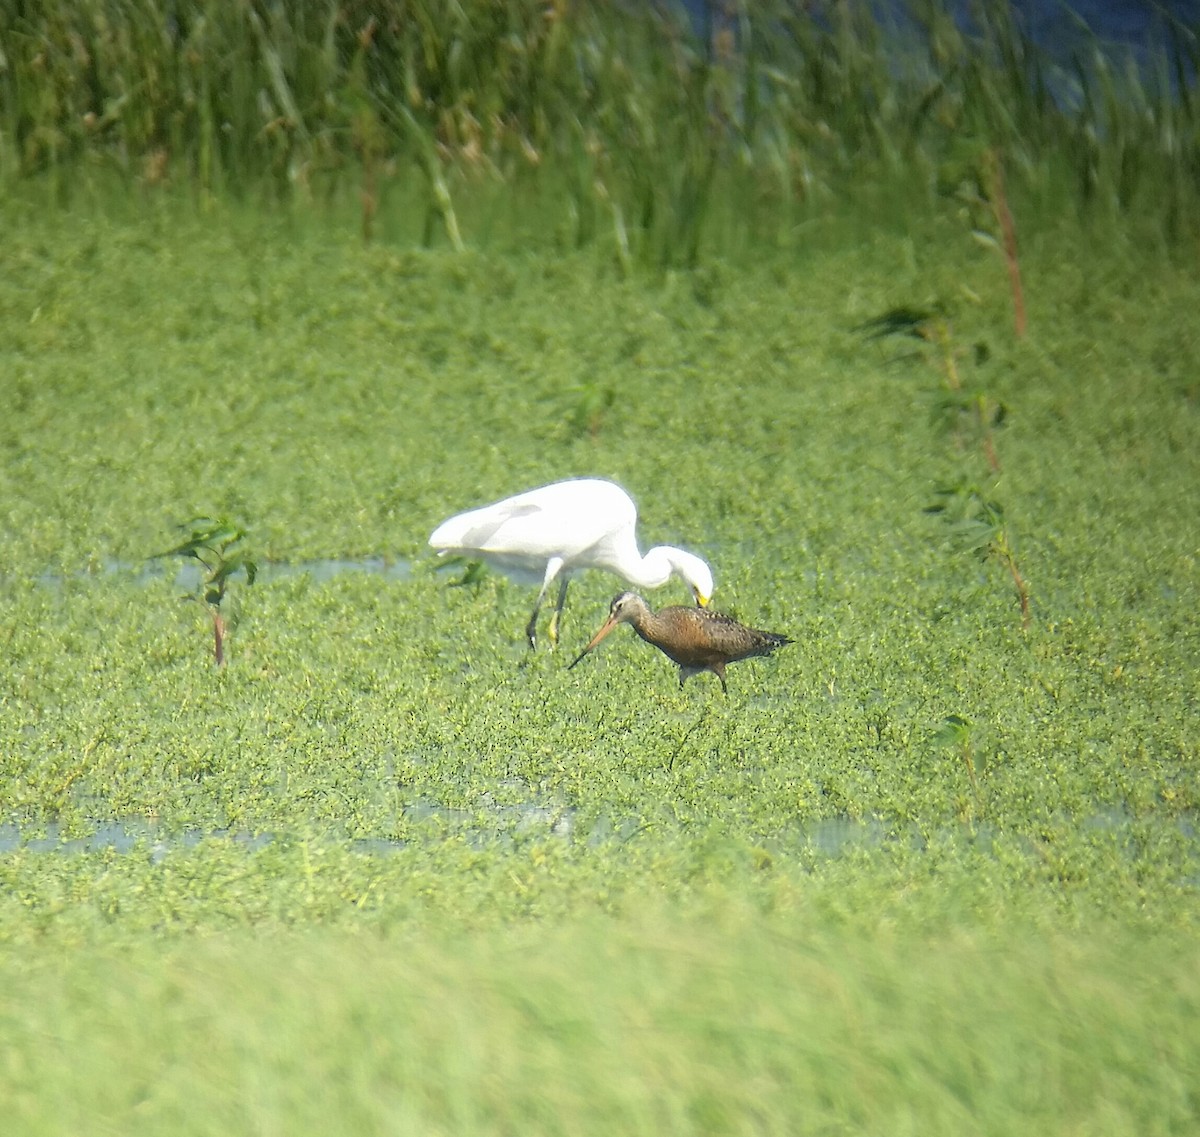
492,825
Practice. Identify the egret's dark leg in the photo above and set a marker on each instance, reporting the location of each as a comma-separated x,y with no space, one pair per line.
556,619
553,568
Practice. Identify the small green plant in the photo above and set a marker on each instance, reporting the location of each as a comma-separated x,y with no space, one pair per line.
957,404
592,402
993,172
955,734
980,189
977,525
219,546
474,572
976,519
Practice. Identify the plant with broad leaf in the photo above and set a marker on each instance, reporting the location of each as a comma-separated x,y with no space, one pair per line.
474,572
219,546
977,525
593,401
957,404
978,184
956,735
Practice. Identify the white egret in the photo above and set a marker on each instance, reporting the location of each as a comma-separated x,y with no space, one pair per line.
548,533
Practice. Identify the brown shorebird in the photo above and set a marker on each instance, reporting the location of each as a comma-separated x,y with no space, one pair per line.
698,639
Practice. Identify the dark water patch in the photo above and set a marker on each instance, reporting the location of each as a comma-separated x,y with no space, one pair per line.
1065,40
1161,594
835,836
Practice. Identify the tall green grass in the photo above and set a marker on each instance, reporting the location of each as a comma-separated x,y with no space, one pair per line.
638,129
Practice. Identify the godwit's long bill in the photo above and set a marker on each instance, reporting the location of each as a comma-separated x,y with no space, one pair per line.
698,639
548,533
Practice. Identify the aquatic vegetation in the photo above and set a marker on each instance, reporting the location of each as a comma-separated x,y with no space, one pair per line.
383,794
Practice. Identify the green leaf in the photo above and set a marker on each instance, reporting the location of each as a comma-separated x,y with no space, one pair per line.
899,321
474,574
236,563
955,731
972,535
205,534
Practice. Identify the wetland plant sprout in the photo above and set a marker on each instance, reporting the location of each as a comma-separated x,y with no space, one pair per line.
956,735
593,401
474,572
956,404
977,525
978,186
218,544
977,522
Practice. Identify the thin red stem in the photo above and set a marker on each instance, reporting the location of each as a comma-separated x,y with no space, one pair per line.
1008,235
218,637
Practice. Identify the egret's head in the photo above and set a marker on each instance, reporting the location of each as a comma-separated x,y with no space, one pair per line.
697,574
665,561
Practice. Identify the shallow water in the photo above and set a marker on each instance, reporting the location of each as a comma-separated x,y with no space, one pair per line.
492,824
124,836
188,574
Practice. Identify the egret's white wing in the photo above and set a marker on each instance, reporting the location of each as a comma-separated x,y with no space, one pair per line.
482,529
562,519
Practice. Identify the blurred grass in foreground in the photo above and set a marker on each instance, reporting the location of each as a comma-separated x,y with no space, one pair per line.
724,1022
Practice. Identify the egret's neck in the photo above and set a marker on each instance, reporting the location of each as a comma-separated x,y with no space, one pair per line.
654,569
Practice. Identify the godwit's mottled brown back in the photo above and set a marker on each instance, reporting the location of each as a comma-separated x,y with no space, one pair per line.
697,639
694,637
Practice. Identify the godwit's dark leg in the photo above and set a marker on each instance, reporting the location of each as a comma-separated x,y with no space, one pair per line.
718,669
556,619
